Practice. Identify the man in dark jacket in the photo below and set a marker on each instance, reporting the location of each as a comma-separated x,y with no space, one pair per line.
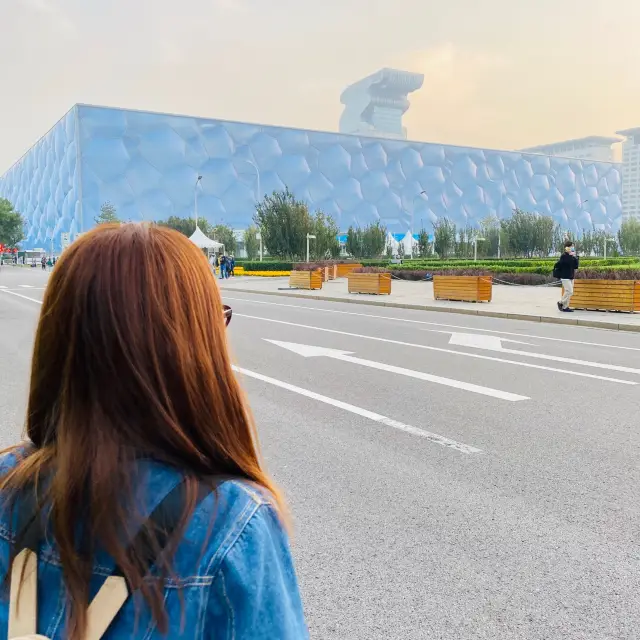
565,269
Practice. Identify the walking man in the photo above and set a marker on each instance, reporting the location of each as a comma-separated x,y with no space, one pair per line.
565,270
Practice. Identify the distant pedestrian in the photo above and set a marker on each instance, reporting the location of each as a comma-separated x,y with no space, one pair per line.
43,262
223,267
565,270
232,264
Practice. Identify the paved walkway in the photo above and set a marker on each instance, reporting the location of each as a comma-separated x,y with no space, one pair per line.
517,302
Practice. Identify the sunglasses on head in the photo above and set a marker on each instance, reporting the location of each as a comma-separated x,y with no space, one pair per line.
227,314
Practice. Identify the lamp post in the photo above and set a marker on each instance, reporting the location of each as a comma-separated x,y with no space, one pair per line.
256,196
309,237
475,248
499,226
195,203
413,210
259,237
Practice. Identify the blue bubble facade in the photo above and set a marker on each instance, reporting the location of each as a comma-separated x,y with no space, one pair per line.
147,165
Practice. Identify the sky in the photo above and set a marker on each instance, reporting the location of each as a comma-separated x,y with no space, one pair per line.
498,73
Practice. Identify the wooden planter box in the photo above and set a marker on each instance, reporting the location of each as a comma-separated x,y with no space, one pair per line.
345,269
606,295
332,271
306,279
463,288
376,283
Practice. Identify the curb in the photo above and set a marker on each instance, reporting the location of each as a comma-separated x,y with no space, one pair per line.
592,324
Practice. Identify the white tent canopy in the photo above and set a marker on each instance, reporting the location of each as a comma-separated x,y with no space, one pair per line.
200,240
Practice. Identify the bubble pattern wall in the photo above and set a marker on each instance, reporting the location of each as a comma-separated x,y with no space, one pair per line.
147,164
44,185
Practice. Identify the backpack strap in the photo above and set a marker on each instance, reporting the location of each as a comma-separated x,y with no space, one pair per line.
23,618
115,591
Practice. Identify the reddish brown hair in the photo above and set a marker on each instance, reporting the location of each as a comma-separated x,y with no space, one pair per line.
130,360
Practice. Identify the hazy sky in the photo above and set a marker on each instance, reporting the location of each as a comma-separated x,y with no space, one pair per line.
498,73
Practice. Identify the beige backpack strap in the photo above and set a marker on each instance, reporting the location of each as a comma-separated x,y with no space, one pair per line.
105,606
23,612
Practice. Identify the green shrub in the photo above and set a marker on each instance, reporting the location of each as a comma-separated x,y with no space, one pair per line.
267,266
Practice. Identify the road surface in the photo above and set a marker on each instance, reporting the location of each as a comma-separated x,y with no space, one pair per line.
449,476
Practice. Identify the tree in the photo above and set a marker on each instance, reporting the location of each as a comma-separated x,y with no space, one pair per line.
444,237
107,214
326,244
369,242
530,234
224,234
251,242
374,239
491,232
424,245
186,226
629,236
284,223
11,225
354,244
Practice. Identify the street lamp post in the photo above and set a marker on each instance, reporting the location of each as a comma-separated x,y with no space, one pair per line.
309,237
413,211
259,237
195,203
475,248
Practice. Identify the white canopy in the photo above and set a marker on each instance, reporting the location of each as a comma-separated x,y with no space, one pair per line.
199,239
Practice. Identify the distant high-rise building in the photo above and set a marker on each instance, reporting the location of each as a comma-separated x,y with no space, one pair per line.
374,106
596,148
630,173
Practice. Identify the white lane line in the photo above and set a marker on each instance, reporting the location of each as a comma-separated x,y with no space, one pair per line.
19,295
365,413
434,324
3,286
439,349
26,286
309,351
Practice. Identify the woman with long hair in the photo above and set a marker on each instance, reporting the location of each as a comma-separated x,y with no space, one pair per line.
139,507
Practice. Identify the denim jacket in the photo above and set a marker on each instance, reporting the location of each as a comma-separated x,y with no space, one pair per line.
241,586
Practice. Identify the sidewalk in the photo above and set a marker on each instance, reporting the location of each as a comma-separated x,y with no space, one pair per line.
537,304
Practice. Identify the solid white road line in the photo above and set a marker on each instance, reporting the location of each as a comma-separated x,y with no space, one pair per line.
434,324
309,351
26,286
365,413
439,349
19,295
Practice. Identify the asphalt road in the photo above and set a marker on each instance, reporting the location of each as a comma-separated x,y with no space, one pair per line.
442,486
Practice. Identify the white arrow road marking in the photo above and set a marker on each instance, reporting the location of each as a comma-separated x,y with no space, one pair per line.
480,341
493,343
439,349
309,351
365,413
